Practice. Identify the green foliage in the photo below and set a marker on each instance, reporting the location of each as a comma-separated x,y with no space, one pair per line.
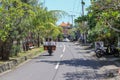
19,18
15,50
81,21
104,19
13,13
82,18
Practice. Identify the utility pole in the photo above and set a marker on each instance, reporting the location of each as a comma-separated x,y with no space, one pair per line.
83,23
82,7
72,17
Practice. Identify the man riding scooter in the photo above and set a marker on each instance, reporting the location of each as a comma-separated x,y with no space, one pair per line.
49,45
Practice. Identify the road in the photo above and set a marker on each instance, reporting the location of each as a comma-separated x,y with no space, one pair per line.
68,62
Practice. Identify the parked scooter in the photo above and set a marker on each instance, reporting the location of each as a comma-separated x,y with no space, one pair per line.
111,50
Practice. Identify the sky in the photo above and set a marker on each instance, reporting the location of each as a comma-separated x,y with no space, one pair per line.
72,7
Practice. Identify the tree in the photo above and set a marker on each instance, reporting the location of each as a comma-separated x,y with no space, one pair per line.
13,14
45,23
105,16
21,18
82,22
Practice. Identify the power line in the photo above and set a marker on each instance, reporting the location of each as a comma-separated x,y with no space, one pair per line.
72,17
44,2
74,5
78,6
73,11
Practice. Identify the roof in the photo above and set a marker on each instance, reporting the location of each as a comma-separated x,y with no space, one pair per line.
63,24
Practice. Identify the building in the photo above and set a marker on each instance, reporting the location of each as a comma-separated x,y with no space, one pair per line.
66,27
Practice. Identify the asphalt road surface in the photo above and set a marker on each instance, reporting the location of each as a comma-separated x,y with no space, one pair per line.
68,62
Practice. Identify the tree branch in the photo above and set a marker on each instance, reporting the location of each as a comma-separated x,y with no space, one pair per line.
115,29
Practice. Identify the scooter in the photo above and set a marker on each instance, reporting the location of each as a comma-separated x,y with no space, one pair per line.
50,48
50,51
111,50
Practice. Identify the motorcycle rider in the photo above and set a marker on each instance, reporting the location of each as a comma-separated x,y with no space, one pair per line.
50,45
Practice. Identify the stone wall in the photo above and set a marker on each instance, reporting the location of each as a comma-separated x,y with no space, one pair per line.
13,63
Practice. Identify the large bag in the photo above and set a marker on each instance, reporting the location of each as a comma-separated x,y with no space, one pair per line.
53,47
45,47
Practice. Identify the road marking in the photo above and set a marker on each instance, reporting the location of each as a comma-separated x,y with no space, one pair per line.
64,48
61,55
56,67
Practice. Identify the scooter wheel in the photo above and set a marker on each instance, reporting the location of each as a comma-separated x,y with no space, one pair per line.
50,54
116,53
98,54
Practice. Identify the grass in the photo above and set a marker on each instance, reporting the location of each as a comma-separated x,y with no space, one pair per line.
34,51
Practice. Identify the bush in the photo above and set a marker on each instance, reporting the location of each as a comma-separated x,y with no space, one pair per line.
15,50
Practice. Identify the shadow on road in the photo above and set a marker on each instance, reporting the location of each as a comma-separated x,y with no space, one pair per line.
91,69
43,56
86,75
94,64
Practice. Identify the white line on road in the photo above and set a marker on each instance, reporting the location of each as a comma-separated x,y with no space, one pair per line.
64,48
61,55
56,67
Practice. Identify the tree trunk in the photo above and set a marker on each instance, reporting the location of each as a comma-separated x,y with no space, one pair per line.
38,41
5,50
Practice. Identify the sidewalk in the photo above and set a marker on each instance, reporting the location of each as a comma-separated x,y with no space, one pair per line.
112,71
